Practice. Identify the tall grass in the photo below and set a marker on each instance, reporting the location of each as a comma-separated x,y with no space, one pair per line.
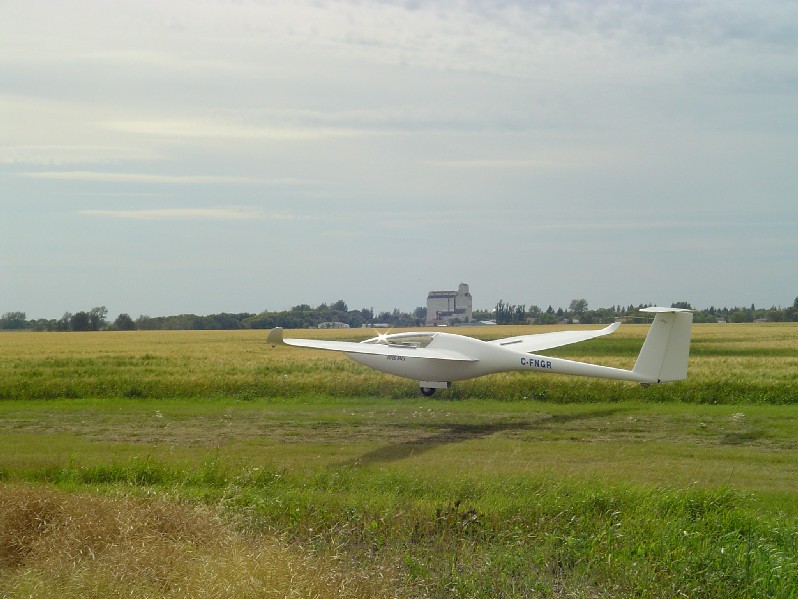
57,544
417,535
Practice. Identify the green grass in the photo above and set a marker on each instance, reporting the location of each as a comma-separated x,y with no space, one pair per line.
470,498
507,486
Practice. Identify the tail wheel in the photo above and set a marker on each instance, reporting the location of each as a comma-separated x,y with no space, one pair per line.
427,391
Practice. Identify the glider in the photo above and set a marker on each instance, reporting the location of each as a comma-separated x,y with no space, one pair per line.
435,359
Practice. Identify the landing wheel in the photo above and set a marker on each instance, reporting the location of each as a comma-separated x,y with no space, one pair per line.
427,391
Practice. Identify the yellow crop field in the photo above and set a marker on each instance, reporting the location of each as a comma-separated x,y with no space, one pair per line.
729,363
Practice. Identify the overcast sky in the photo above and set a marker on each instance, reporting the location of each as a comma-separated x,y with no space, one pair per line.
168,157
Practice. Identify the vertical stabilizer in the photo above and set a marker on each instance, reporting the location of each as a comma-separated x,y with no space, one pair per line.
666,349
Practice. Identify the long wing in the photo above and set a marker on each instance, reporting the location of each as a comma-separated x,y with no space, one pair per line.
375,349
540,341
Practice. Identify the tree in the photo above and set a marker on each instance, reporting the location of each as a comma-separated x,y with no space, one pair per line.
547,318
80,321
578,306
63,323
123,322
520,314
504,312
97,318
740,316
510,313
13,320
774,315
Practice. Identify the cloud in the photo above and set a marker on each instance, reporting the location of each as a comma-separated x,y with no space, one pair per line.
307,125
149,178
221,130
235,213
497,164
53,155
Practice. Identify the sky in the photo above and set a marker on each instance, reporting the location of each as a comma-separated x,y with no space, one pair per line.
238,156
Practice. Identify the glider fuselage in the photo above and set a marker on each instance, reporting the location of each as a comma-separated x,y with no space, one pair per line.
487,358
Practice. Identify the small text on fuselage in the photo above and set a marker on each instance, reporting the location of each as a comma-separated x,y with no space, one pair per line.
536,363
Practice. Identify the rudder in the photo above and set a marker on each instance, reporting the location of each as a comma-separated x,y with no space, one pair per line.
666,349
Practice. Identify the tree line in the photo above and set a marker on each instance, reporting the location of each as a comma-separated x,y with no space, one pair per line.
304,316
301,316
578,311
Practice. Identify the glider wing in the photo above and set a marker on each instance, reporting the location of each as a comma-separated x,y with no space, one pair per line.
540,341
375,349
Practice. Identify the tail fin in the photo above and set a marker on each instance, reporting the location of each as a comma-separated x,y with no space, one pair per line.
663,357
275,336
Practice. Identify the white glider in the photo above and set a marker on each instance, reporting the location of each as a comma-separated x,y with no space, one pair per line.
435,359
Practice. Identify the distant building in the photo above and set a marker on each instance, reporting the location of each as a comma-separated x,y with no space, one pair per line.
444,307
333,325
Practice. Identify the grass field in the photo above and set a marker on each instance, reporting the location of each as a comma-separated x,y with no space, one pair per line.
177,464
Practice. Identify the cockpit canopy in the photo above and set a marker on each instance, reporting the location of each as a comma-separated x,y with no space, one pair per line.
412,340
